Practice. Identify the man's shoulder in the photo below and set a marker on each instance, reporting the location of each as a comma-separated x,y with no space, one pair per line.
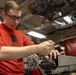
18,32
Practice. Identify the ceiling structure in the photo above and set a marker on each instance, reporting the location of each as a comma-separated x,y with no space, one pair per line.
47,17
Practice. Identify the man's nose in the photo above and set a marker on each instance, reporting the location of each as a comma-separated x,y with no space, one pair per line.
16,21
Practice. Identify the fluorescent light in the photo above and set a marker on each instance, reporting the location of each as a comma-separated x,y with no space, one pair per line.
36,34
67,19
60,13
60,23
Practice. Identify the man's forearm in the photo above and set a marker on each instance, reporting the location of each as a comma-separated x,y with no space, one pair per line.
10,53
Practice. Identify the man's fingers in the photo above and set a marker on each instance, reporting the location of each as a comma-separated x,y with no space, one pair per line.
50,41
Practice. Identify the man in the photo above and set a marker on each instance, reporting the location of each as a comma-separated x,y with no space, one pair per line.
14,45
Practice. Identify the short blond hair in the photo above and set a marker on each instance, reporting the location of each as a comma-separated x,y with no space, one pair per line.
11,4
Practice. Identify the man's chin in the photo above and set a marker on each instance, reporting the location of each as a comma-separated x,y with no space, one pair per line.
12,28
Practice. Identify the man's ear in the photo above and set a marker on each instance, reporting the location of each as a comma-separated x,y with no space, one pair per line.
3,15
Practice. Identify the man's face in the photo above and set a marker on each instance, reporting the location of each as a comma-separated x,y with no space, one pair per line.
12,18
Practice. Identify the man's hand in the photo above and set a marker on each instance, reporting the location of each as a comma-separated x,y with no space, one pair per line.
45,48
51,54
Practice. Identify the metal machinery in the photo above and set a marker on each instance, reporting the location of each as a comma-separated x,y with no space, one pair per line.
61,64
